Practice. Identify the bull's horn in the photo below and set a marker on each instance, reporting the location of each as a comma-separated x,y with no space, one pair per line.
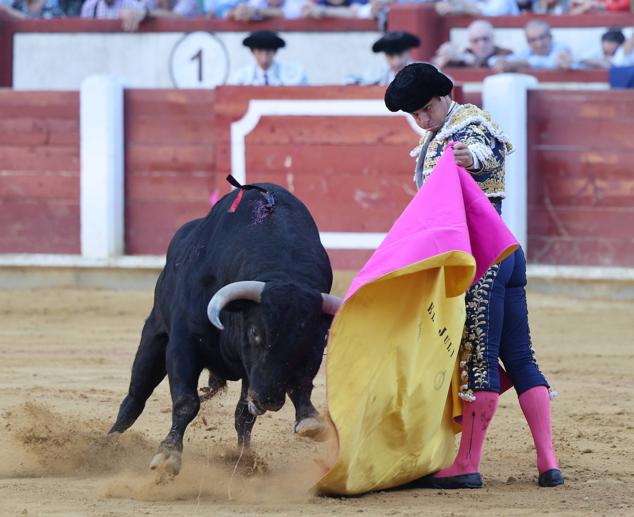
330,304
246,290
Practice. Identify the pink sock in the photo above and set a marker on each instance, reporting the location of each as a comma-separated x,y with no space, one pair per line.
535,404
476,417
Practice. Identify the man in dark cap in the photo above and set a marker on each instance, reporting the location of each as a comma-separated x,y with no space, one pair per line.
265,70
397,48
496,324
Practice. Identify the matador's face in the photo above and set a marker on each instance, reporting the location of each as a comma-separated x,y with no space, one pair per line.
432,115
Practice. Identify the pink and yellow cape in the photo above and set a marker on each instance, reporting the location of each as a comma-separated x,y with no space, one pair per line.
392,366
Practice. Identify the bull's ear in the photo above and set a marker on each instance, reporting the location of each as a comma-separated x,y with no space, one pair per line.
239,305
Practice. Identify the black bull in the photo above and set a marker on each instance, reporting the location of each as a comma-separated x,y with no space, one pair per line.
259,260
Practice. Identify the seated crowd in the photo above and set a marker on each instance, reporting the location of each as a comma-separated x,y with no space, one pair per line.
542,53
251,10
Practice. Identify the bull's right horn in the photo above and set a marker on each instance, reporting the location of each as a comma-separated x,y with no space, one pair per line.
331,304
245,290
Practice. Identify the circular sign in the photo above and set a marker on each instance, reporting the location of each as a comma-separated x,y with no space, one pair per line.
199,60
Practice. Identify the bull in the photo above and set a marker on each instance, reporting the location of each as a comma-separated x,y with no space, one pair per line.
244,295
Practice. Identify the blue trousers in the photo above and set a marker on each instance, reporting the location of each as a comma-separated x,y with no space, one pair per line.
497,329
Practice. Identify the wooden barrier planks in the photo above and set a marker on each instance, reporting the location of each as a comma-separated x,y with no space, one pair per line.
581,178
39,172
170,161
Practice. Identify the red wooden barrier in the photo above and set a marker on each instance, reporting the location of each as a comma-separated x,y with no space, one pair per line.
170,162
354,173
581,178
39,172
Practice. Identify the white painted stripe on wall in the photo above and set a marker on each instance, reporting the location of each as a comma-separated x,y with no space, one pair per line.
351,240
101,167
149,262
504,96
317,108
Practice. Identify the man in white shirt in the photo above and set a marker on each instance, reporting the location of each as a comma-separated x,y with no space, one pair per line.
254,10
397,48
624,56
478,7
265,70
611,41
543,53
481,52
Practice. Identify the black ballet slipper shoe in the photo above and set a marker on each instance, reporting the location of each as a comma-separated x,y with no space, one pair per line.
473,480
552,477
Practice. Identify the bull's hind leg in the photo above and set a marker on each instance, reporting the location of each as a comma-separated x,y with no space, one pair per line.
307,420
148,370
214,386
244,420
183,370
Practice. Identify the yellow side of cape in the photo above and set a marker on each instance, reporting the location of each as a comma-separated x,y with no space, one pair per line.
392,372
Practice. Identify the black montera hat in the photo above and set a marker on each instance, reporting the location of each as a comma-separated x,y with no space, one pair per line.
396,42
414,86
265,40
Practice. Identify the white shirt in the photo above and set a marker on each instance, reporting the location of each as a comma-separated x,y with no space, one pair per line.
547,62
280,74
290,8
620,58
497,7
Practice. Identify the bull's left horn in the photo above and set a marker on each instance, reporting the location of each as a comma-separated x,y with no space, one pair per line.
330,303
245,290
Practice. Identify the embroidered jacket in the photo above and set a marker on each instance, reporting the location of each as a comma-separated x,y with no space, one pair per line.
472,126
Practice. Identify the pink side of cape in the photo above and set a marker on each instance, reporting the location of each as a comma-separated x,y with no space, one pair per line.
449,213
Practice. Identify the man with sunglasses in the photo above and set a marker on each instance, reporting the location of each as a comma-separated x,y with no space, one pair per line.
496,325
481,51
543,53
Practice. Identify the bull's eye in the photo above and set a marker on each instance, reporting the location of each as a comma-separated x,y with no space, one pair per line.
254,336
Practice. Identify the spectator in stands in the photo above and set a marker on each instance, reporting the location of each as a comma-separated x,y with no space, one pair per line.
43,9
133,12
397,48
624,55
220,8
338,9
543,53
265,70
108,9
586,6
481,51
477,7
610,42
71,7
552,7
253,10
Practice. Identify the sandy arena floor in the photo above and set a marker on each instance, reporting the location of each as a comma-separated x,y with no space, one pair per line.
65,357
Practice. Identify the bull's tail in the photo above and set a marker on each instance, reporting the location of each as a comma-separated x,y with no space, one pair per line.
148,371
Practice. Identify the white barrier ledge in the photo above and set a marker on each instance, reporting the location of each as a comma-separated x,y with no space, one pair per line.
77,261
145,262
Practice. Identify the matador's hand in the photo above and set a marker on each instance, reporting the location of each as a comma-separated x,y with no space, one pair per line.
462,155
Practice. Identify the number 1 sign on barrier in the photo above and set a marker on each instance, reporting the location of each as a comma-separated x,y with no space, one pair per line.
199,60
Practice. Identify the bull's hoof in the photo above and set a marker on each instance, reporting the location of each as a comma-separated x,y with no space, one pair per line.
311,427
168,462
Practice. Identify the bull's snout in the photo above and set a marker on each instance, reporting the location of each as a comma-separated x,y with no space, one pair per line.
259,405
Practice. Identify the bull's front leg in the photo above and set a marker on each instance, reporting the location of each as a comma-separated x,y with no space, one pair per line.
183,371
244,420
307,420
